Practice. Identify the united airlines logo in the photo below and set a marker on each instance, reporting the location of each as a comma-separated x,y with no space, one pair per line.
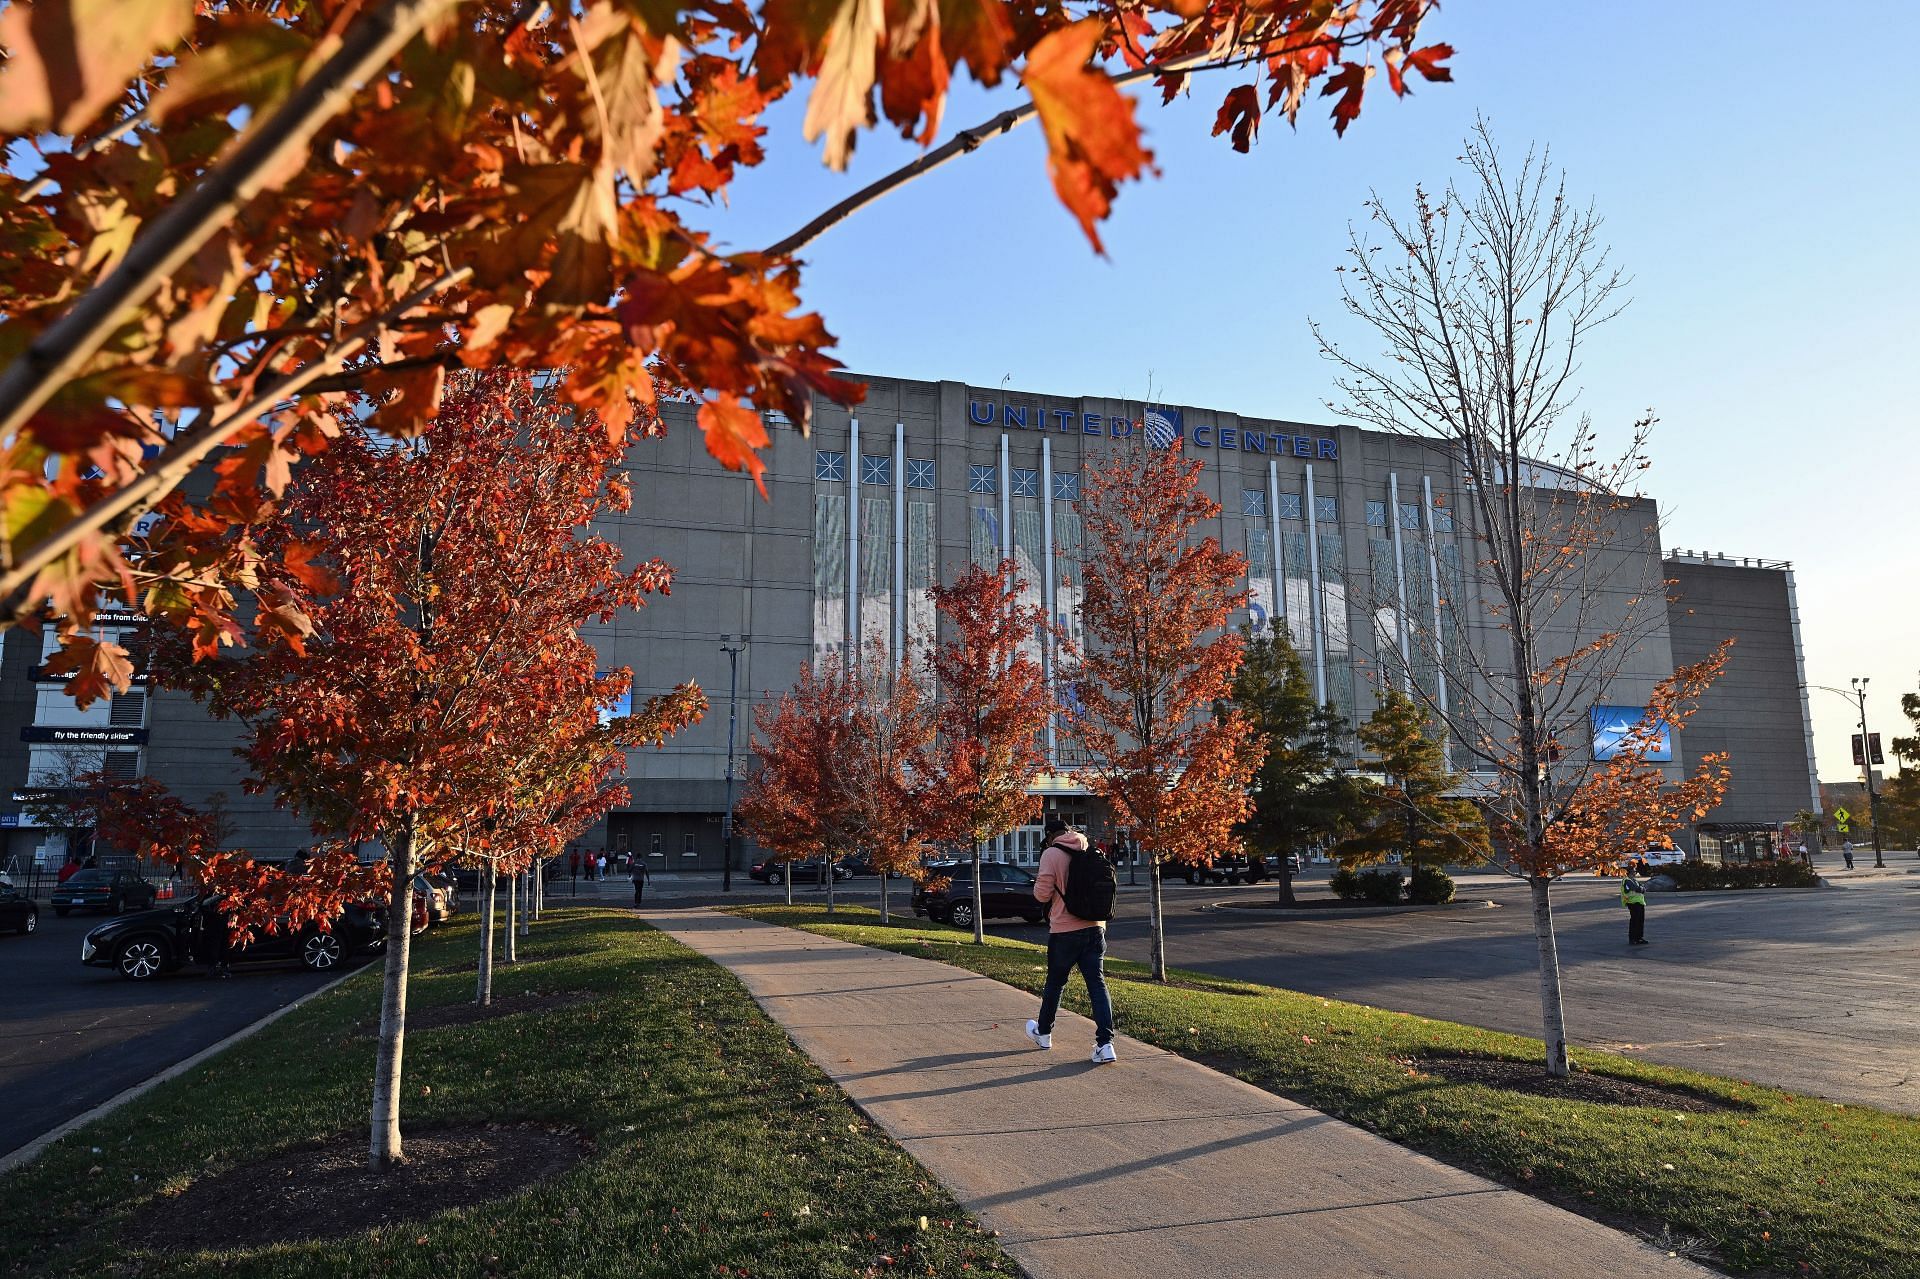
1163,427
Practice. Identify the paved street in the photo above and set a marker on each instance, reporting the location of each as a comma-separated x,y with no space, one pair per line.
73,1036
1811,991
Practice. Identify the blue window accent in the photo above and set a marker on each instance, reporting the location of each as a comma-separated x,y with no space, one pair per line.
1442,517
983,479
1023,483
1253,501
1290,506
919,474
1410,516
829,466
876,468
1376,514
1066,486
1326,509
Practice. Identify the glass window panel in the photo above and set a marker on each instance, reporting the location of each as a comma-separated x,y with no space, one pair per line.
983,479
876,468
1326,509
1410,515
983,536
1290,506
829,573
1376,514
1253,502
1066,486
828,465
1023,483
919,473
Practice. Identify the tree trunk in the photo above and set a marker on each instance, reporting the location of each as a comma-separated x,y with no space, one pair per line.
786,877
526,906
1553,1012
513,917
383,1146
537,891
885,918
483,986
979,922
1283,872
1157,946
826,872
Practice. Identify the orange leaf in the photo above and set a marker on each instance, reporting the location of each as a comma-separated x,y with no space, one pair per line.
734,431
1241,113
98,668
1350,82
1093,143
67,59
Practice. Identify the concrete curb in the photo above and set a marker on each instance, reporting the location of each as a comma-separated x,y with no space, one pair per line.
24,1155
1351,912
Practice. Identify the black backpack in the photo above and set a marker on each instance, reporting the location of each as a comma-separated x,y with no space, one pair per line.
1091,885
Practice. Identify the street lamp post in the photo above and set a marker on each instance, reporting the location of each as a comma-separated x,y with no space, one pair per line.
1866,767
733,652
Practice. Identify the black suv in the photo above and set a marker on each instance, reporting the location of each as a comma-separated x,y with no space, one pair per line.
143,946
1005,891
1231,868
101,889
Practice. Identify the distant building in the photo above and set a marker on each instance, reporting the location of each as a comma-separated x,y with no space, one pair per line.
1351,537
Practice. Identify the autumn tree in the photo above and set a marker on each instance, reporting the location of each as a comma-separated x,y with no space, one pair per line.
443,663
1483,296
993,708
1302,793
799,802
1158,658
227,215
1414,811
893,771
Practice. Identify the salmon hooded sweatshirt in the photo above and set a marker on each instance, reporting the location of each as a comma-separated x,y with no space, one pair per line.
1051,884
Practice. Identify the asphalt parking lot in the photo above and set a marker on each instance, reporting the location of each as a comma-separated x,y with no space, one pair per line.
72,1036
1810,990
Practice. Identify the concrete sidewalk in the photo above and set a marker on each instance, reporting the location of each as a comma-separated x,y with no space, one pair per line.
1153,1167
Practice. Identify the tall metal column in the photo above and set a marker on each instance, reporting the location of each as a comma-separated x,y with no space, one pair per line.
851,657
899,652
1047,654
1314,605
1399,584
1439,634
1006,503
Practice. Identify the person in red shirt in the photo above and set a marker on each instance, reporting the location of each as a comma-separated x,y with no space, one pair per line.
573,862
69,870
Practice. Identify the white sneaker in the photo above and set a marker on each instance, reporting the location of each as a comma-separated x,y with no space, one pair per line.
1039,1040
1103,1054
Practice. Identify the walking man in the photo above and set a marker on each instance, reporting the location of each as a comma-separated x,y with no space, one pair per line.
637,871
1846,851
1633,895
1078,886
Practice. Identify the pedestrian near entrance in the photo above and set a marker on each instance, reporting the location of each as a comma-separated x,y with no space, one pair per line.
638,873
600,868
1633,895
1078,886
1846,851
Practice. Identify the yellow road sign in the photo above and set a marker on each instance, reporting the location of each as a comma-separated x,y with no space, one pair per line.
1842,816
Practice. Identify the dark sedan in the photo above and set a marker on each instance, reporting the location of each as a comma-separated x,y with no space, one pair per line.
1005,891
806,872
17,911
109,890
143,946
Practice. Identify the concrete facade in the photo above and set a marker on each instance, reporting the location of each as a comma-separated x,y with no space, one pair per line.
1358,542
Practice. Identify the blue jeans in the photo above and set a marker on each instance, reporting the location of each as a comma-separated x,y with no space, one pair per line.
1083,948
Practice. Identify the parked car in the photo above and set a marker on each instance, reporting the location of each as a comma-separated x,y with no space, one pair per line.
113,890
17,911
1005,892
806,872
145,945
1664,856
441,893
1232,868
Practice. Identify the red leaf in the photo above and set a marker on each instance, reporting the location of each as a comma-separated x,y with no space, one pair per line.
1093,143
98,668
300,559
734,432
1350,82
1241,113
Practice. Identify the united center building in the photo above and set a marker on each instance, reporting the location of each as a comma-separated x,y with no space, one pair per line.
1350,538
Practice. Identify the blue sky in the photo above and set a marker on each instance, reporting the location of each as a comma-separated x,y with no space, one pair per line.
1757,170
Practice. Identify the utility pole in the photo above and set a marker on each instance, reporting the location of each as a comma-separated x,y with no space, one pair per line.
733,652
1866,766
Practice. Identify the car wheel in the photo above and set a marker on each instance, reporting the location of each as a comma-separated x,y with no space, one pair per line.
142,959
62,911
31,922
321,953
776,876
960,915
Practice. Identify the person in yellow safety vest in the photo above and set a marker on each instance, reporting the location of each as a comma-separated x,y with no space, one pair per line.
1633,895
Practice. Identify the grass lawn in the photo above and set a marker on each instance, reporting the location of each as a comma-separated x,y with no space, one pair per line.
719,1149
1788,1185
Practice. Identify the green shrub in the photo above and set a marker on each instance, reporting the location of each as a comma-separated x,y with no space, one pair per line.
1429,886
1381,886
1345,885
1777,873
